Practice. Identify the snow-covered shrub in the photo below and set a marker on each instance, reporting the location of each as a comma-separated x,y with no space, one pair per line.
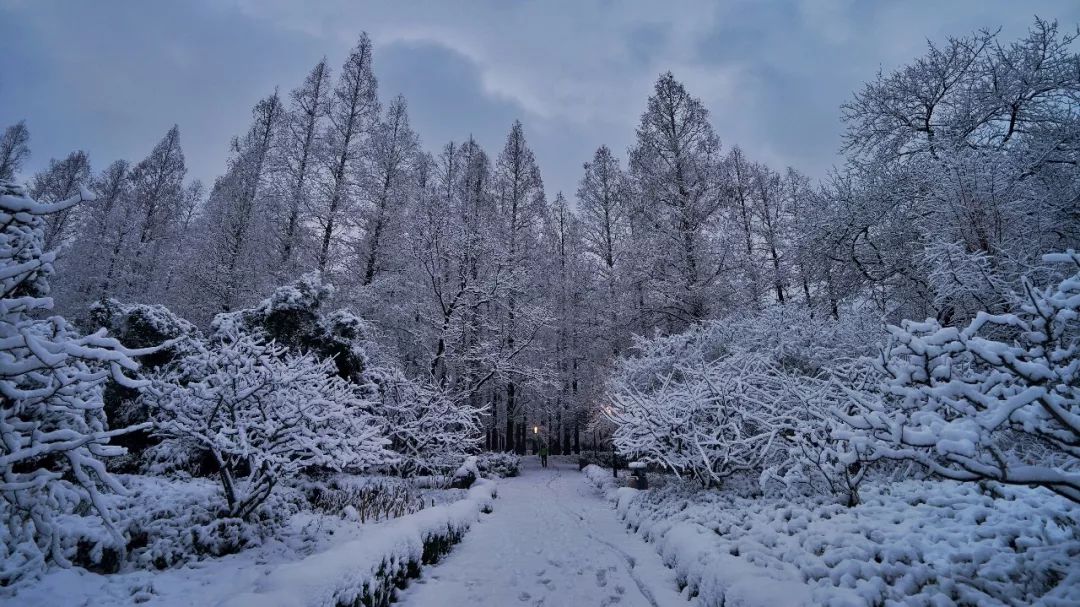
811,457
140,326
466,474
430,430
145,326
264,415
165,522
53,428
714,421
364,499
752,395
170,521
997,399
293,317
912,542
499,464
793,337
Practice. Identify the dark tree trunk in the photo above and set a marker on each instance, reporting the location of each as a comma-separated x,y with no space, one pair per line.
511,430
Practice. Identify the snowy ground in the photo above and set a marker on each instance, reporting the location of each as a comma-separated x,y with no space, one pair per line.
552,541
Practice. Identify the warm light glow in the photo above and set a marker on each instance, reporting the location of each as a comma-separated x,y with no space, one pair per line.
536,429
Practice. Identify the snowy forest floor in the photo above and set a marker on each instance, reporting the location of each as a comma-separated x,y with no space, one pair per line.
552,540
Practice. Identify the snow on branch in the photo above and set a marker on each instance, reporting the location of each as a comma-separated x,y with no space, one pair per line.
264,414
998,399
53,429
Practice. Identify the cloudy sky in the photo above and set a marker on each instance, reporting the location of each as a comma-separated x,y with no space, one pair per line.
111,77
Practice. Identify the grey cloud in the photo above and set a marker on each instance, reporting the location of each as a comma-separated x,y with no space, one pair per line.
111,76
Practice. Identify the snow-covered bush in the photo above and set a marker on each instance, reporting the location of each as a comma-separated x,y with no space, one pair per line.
364,498
711,422
430,430
811,457
754,395
499,464
165,522
140,326
53,428
293,317
466,474
264,415
792,336
912,542
145,326
997,399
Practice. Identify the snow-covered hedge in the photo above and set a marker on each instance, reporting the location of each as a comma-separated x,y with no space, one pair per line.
370,570
914,542
466,474
499,464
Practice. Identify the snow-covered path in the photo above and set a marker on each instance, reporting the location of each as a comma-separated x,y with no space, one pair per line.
552,541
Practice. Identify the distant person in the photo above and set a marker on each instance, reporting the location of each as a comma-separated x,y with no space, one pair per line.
543,456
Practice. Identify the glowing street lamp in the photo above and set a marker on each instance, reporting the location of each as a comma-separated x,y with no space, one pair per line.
536,429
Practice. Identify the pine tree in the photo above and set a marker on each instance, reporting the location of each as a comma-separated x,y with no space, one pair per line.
63,179
675,166
14,150
235,260
302,152
387,190
353,108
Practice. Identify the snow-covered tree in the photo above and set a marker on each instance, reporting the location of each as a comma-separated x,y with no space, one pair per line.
675,167
972,147
297,317
428,428
264,415
14,149
709,422
53,430
95,263
301,155
62,180
353,107
604,205
997,399
520,202
234,261
157,206
387,188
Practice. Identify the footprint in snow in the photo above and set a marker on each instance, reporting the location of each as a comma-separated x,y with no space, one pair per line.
524,596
